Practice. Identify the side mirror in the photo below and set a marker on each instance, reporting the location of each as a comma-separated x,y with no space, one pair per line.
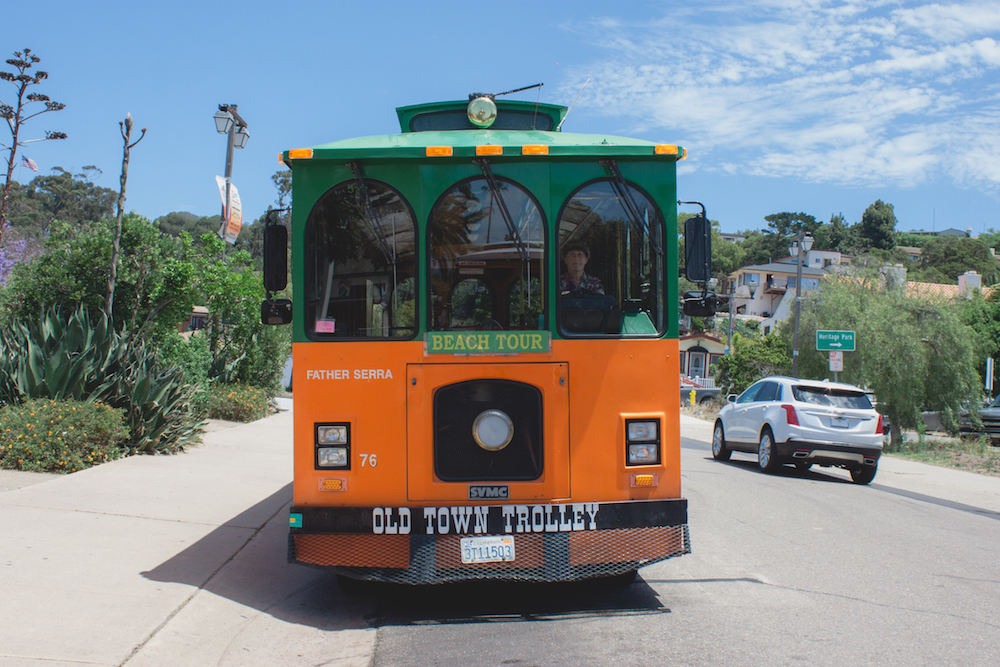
698,249
276,311
700,304
732,398
275,256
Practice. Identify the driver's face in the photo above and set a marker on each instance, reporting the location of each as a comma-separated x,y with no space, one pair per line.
575,261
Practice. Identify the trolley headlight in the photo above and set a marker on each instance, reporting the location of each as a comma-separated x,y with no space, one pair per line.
493,430
333,446
642,441
332,457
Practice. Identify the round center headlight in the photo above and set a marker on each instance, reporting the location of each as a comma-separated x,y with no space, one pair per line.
493,430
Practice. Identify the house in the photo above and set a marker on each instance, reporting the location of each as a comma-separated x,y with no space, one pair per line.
197,319
944,232
969,283
767,291
698,354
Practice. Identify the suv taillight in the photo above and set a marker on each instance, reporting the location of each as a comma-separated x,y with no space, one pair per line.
790,416
880,428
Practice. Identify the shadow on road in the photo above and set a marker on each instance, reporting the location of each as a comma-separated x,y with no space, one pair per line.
507,602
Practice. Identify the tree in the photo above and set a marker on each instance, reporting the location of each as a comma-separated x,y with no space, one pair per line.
764,247
126,130
16,115
749,359
181,221
914,354
791,224
72,199
836,235
878,226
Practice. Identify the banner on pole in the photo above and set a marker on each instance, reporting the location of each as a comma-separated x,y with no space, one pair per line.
230,228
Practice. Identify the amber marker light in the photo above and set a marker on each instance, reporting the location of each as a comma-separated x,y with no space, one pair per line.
644,480
489,150
332,484
300,153
535,149
667,149
439,151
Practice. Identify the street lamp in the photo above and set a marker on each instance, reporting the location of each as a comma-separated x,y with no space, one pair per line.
228,121
803,242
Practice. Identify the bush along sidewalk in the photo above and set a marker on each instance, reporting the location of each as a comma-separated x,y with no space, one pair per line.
73,356
238,403
45,435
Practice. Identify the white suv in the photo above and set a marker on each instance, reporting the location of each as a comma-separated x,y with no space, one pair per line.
785,420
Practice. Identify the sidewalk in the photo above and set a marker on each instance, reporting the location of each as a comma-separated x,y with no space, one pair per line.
169,560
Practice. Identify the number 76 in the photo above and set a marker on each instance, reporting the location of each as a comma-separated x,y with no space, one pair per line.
368,460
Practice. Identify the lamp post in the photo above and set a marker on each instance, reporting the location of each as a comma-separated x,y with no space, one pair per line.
228,121
800,246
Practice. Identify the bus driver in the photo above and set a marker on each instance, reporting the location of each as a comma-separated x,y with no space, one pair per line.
576,255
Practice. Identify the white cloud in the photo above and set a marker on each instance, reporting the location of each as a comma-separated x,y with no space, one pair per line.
876,93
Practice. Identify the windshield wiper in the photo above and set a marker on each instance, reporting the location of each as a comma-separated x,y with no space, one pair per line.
372,216
628,203
491,180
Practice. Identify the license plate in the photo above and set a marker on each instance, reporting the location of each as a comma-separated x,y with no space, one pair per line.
840,422
487,549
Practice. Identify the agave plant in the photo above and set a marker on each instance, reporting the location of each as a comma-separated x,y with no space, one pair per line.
76,357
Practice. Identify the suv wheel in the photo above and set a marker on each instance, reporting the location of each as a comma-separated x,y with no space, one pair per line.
719,449
864,475
767,458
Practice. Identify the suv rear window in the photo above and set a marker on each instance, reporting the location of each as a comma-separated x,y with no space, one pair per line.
836,398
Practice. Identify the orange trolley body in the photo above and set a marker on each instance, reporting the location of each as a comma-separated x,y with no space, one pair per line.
462,410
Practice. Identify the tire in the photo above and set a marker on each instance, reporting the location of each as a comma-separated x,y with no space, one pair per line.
864,475
720,452
767,458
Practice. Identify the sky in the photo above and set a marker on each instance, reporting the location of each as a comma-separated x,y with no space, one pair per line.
813,106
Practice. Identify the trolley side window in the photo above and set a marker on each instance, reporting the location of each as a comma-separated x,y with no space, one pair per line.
487,249
360,264
611,264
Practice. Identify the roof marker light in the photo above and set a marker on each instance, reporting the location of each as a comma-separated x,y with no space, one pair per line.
489,150
667,149
535,149
439,151
300,153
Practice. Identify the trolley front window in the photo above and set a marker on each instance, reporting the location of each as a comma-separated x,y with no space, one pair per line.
487,253
360,264
610,237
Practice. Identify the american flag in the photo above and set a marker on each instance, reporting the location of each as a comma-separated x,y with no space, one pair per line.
29,163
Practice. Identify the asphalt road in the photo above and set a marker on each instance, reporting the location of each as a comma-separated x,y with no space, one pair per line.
181,561
788,569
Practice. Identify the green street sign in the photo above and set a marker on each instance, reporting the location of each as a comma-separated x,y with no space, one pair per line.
836,341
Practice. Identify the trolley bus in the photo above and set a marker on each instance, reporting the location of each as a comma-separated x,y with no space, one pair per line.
485,349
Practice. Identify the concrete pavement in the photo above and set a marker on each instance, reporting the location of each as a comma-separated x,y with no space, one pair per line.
169,560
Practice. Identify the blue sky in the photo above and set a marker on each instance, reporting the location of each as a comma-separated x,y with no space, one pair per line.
783,105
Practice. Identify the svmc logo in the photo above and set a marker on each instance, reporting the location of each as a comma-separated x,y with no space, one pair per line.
499,492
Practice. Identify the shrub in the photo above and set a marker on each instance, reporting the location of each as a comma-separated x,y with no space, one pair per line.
45,435
74,356
238,403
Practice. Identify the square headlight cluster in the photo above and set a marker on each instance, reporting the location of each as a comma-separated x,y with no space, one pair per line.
642,442
333,446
